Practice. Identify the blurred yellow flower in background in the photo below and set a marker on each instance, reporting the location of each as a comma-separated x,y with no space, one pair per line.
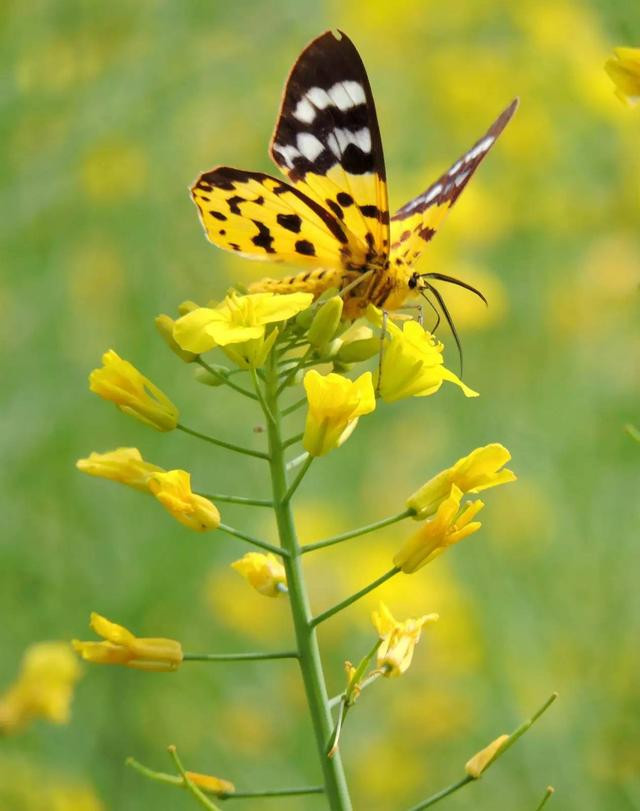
27,784
264,572
124,465
335,405
477,471
43,689
624,71
447,527
173,490
412,364
114,170
121,647
399,639
121,383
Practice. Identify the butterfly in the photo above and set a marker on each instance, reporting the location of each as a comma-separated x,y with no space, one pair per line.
331,217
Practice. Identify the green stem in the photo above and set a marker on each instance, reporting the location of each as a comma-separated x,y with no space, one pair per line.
310,663
255,541
173,780
292,440
225,379
238,657
292,372
440,795
298,479
354,597
354,533
190,786
260,395
294,407
221,443
547,796
247,502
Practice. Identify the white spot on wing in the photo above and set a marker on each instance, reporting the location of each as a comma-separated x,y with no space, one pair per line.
432,193
287,152
455,167
339,139
304,111
460,179
356,92
309,145
318,97
346,95
480,147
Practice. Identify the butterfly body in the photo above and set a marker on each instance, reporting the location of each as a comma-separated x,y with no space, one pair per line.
331,217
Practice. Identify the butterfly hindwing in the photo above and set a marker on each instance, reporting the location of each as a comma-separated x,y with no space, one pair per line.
327,139
417,222
261,217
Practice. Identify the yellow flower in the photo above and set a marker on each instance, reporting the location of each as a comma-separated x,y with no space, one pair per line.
399,639
448,526
121,647
238,325
164,325
173,491
264,572
120,381
477,471
624,71
485,757
214,785
124,465
335,404
43,689
412,364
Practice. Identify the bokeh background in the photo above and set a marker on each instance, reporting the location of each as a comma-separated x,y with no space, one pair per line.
108,113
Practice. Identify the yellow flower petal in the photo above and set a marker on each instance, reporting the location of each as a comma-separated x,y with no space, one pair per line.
124,465
121,383
399,639
214,785
335,403
624,71
173,491
264,572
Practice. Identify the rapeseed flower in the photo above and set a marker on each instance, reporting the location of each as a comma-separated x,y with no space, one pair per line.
264,572
124,465
399,639
173,490
624,71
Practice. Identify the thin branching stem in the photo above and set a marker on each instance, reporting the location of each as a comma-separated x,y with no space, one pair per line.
260,395
298,479
445,792
354,597
292,372
222,444
224,379
292,440
190,785
255,541
246,502
294,407
238,657
355,533
547,796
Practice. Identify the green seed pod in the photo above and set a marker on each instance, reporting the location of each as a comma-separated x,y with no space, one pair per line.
357,351
204,375
325,323
164,325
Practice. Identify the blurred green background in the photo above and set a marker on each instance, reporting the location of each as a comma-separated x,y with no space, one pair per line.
108,113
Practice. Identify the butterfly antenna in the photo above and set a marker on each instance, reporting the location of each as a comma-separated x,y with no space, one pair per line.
451,280
449,320
434,308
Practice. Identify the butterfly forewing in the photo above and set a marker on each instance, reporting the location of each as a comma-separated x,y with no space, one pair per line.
261,217
417,222
327,139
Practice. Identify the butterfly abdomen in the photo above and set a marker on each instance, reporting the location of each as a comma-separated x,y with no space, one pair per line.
310,281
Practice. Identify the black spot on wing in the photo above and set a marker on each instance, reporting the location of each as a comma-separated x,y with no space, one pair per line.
263,238
304,247
344,199
290,221
218,215
232,202
335,208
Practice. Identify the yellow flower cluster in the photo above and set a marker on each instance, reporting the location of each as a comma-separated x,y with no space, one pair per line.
43,689
439,500
121,647
239,325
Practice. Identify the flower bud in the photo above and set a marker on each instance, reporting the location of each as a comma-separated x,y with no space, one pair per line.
325,322
358,351
208,379
164,325
187,306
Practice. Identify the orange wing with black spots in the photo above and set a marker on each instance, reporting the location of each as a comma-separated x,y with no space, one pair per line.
417,222
261,217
